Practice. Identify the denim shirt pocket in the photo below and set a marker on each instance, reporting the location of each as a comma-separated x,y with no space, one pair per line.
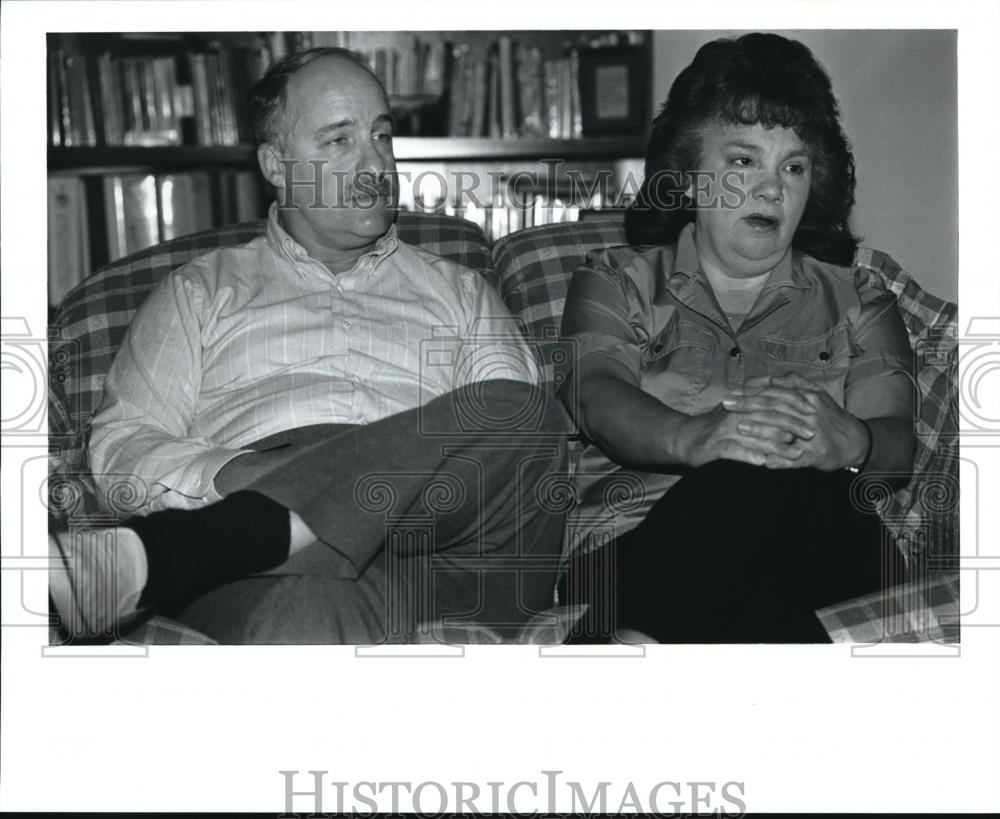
823,359
676,363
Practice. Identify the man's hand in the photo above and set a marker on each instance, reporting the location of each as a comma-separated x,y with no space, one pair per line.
753,437
834,439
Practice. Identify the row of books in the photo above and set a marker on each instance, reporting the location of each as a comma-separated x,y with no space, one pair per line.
195,98
126,213
130,212
483,87
407,64
499,219
508,90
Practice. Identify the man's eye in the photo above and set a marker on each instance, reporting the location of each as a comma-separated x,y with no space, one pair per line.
741,161
338,140
384,137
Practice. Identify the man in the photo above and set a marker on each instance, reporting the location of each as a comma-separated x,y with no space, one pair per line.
309,473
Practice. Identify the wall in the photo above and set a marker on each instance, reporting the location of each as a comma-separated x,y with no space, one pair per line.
898,96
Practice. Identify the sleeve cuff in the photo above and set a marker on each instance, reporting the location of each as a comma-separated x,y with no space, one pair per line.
195,481
877,368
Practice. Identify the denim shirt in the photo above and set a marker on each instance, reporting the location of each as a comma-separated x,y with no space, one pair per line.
653,310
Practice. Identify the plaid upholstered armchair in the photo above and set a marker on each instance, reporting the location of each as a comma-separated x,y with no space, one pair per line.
532,269
89,327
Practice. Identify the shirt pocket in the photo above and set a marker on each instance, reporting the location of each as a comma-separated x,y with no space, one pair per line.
823,359
676,364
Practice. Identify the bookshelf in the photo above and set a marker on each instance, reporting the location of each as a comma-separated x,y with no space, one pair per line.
438,149
134,118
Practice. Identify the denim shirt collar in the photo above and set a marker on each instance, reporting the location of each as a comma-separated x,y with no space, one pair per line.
681,268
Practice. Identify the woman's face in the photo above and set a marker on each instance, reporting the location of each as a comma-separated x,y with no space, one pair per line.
749,198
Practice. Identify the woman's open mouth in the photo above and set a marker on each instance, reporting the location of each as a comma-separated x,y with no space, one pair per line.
761,222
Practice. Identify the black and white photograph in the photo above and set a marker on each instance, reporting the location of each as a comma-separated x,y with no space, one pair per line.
416,373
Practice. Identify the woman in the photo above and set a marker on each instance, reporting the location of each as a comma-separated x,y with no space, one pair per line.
733,352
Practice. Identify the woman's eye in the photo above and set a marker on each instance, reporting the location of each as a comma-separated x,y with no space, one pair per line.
383,137
796,168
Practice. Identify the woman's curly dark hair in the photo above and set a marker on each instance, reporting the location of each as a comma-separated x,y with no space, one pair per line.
756,79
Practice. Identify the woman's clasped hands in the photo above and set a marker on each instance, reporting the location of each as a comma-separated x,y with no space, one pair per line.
826,436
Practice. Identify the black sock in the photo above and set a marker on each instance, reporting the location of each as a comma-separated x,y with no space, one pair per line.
190,551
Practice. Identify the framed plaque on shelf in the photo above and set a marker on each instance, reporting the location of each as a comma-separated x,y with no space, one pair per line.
612,90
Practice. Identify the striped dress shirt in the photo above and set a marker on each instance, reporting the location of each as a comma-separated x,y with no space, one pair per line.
249,341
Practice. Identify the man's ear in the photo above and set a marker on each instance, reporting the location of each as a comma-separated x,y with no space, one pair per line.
269,159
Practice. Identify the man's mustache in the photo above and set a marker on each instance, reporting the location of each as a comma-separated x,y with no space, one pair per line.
369,185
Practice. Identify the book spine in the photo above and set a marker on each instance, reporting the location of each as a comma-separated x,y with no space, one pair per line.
82,210
434,70
496,126
114,217
110,100
456,90
278,45
96,106
134,126
553,120
166,73
225,190
529,83
202,101
140,210
480,83
186,201
215,103
565,100
66,236
77,90
508,121
52,100
381,68
184,100
200,202
150,108
576,116
65,107
177,205
228,90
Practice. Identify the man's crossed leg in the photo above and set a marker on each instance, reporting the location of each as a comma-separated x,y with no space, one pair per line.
352,534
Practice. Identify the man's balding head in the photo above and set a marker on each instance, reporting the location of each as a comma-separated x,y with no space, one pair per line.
268,99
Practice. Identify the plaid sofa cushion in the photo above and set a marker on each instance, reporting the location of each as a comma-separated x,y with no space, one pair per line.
157,630
921,610
535,267
924,515
91,322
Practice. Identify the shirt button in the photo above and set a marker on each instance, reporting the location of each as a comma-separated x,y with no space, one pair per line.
347,324
824,356
735,352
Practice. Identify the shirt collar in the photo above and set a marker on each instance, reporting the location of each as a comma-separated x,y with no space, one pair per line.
279,240
786,273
